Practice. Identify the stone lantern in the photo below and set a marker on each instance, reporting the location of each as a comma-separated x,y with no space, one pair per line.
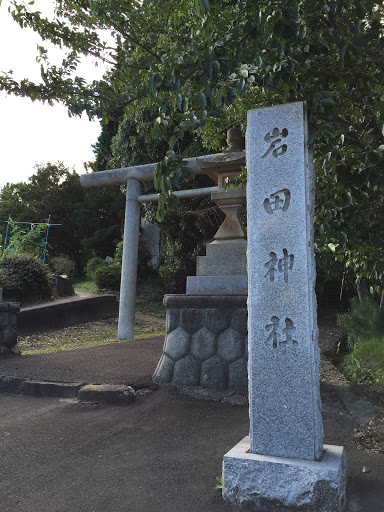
224,268
206,342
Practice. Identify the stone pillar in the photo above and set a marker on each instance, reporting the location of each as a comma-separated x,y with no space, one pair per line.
129,262
283,464
8,325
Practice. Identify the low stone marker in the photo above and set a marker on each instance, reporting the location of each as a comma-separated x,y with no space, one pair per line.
283,464
8,327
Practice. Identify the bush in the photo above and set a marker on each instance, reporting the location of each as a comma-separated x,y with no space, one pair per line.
144,267
364,321
93,265
108,277
62,265
175,267
24,277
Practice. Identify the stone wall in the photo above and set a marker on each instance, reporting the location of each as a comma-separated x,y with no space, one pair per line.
8,326
206,343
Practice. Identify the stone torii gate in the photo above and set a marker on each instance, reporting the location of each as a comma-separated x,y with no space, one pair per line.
132,178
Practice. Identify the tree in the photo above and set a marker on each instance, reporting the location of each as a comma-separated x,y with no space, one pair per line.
88,222
196,66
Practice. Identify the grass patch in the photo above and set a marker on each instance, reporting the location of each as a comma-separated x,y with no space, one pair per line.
150,322
85,287
149,296
365,364
90,334
361,359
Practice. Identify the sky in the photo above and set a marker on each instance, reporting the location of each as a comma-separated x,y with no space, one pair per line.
33,132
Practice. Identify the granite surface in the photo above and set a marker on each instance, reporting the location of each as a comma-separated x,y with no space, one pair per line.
285,410
275,484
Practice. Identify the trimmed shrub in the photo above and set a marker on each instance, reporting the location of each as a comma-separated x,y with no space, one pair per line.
24,277
62,265
93,265
364,321
108,278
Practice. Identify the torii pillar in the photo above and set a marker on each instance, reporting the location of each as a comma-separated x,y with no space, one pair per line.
132,177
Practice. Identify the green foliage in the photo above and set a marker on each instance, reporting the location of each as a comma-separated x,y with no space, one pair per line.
219,482
62,265
90,221
108,278
175,267
195,67
29,239
364,321
144,267
92,266
366,363
23,277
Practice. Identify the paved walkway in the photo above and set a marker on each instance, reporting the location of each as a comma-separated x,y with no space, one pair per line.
161,453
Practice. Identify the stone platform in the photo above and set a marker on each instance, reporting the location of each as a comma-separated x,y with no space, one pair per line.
206,343
271,484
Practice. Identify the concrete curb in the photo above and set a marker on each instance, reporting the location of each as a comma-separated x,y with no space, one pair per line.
109,393
361,410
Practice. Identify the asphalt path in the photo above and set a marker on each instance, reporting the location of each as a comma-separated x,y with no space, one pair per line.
160,454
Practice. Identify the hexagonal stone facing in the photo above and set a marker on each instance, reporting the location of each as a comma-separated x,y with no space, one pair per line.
230,345
177,344
186,372
238,377
9,337
217,319
173,319
214,373
164,371
203,344
239,321
191,319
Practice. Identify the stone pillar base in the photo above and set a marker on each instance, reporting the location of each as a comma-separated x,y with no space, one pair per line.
268,484
206,343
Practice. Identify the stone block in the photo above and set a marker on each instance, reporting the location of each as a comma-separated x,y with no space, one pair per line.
9,337
217,319
187,372
111,393
214,374
268,484
4,319
226,249
223,259
164,370
239,321
230,345
203,344
173,319
216,285
191,319
56,389
177,343
238,377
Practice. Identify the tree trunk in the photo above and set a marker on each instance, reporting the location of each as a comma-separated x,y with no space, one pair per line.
382,302
362,288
